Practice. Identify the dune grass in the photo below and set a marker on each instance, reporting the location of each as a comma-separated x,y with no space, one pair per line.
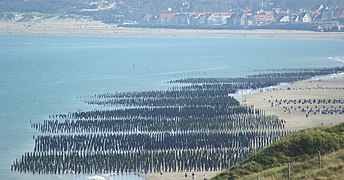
301,149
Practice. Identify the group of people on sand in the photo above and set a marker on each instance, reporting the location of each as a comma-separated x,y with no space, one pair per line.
193,176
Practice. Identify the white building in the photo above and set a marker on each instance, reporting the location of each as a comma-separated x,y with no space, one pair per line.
285,19
306,18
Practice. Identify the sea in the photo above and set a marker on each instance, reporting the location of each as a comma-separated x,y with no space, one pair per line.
45,75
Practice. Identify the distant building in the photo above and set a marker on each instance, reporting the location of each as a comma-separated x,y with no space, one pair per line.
241,18
234,20
181,19
285,19
203,19
341,14
277,10
198,18
306,18
224,17
148,18
166,18
262,19
215,19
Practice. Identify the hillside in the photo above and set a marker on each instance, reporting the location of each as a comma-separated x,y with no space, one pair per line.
301,150
114,11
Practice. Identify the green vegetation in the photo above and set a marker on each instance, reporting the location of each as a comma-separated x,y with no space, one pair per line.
301,149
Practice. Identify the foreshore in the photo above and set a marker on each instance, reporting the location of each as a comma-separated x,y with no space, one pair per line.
180,175
96,28
303,104
325,89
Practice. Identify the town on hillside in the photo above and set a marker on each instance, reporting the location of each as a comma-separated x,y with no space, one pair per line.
311,15
322,18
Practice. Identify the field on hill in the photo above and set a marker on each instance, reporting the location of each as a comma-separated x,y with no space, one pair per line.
301,150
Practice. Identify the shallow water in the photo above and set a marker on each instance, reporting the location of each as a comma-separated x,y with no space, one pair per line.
44,75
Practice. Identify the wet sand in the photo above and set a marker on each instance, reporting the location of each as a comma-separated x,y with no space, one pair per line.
57,26
310,89
180,175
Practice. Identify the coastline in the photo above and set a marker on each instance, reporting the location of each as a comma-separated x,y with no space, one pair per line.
74,27
302,113
199,175
326,88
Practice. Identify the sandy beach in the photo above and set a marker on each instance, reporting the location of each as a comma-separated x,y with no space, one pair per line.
180,175
68,26
289,103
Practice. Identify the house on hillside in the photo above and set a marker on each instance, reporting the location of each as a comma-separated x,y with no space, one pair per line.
341,14
294,17
284,12
277,10
234,19
149,18
268,12
283,16
316,15
224,17
244,19
194,18
198,18
166,19
262,19
181,19
306,18
249,19
215,19
326,14
240,19
203,19
219,18
285,19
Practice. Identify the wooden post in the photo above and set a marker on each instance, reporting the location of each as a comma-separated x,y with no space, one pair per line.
289,171
319,155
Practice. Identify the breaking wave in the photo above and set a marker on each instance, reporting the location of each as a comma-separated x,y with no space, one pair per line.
337,58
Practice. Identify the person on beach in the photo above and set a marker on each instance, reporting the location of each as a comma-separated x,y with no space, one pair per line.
193,175
205,176
186,175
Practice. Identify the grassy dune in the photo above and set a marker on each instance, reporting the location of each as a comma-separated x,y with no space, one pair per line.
301,149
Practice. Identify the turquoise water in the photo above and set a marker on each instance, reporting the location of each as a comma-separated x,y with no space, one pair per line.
43,75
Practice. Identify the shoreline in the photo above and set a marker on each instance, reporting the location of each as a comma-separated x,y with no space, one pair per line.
301,104
321,87
244,92
173,175
72,27
198,175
